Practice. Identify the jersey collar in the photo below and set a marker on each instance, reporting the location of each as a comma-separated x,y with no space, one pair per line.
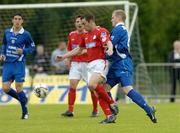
120,23
20,32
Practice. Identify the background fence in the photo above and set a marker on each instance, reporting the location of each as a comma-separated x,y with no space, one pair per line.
157,81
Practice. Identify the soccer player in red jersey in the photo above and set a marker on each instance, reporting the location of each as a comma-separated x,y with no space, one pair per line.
94,41
78,69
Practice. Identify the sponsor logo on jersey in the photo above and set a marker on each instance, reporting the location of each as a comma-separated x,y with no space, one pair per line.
74,46
12,41
103,34
90,45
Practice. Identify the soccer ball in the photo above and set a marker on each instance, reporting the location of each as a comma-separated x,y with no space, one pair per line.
41,90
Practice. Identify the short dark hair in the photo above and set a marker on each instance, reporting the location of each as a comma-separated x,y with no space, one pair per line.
17,14
78,16
89,17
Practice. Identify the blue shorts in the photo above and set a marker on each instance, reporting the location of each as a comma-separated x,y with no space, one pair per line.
120,72
13,71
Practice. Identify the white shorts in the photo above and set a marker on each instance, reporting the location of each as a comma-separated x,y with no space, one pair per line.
97,66
78,71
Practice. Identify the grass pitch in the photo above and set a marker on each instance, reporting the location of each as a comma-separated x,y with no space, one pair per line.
47,119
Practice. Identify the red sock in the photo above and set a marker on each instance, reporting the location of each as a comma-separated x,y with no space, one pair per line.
71,99
103,94
94,102
105,107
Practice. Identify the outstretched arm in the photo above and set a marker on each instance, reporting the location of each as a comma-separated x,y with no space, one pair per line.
69,54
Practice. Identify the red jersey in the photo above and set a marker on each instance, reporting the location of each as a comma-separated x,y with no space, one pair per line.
94,41
74,40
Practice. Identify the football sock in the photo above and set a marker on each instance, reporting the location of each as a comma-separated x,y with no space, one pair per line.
13,93
23,101
71,99
139,100
94,102
105,107
103,94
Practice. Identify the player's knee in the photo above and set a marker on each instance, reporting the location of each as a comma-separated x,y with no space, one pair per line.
5,88
126,89
19,87
74,83
92,86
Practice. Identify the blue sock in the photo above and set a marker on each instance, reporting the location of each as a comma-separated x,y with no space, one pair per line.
139,100
13,93
23,101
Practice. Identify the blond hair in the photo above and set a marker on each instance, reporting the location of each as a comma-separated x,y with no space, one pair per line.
120,13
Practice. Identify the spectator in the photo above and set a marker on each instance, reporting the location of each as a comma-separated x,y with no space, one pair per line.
60,67
174,57
41,61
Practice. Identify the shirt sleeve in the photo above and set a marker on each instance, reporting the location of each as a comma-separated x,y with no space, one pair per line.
69,47
4,45
104,36
30,46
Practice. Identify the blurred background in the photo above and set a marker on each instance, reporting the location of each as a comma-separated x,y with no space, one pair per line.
155,29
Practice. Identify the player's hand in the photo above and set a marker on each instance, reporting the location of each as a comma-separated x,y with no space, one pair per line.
59,58
109,52
19,51
67,63
2,58
105,47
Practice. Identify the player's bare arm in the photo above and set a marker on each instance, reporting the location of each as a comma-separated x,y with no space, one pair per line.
109,50
2,57
84,51
69,54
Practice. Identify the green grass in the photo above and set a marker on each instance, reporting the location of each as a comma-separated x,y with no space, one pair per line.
47,119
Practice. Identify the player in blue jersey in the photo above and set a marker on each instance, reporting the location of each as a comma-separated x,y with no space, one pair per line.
121,69
17,43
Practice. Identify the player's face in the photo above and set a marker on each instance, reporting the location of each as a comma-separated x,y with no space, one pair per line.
114,20
87,25
78,24
17,21
177,46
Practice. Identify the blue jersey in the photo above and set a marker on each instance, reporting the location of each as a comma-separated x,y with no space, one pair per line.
119,39
12,41
121,67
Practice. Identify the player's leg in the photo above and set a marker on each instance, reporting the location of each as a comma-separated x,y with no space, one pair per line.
110,83
126,82
95,84
71,98
111,80
74,78
23,99
6,86
19,75
125,78
140,101
94,98
104,99
7,79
